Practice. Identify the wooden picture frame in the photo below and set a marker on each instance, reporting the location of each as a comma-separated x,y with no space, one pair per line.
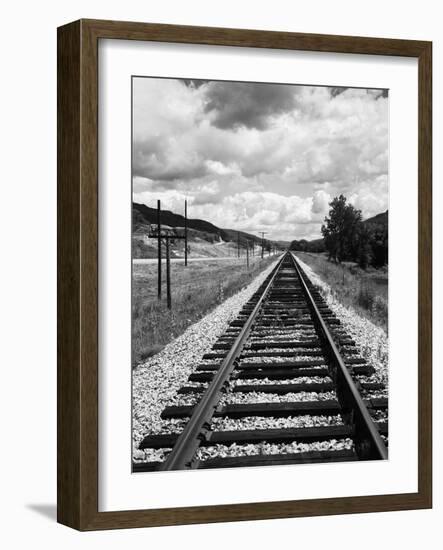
78,273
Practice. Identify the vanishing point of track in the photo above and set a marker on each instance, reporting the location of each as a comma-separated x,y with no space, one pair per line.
254,347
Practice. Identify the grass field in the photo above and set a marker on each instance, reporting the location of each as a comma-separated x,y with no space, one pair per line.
365,290
196,290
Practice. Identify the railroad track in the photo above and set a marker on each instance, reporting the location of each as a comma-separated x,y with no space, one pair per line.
282,385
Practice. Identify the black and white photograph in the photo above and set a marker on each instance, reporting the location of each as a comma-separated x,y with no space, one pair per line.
259,274
218,300
218,292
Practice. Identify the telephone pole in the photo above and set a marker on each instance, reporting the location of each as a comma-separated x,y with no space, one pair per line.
168,275
166,238
159,253
262,233
186,233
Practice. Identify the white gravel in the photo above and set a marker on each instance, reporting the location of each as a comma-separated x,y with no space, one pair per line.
170,426
261,397
277,335
288,359
372,341
222,451
197,385
155,382
266,423
210,362
297,354
151,455
270,381
379,416
374,394
184,400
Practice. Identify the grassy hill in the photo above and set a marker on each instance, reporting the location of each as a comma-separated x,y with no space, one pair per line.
204,238
143,215
232,235
381,220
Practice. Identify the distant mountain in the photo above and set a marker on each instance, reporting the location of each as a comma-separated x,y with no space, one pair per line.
143,216
378,220
233,235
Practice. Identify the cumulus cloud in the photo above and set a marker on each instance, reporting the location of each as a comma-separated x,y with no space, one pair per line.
370,196
262,156
320,202
235,104
216,167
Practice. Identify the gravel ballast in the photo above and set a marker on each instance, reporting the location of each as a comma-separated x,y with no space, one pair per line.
282,381
270,422
275,359
224,451
372,341
155,382
239,398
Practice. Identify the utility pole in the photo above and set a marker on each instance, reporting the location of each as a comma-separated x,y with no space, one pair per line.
159,238
238,244
168,275
247,254
262,233
186,233
159,253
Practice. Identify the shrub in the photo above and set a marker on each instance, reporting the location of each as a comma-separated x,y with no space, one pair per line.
380,308
365,297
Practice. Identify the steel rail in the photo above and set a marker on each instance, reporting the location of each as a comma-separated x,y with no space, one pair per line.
368,442
188,441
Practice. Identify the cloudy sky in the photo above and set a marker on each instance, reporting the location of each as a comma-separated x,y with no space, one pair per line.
259,157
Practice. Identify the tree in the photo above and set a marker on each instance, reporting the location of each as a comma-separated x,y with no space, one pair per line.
379,246
341,230
364,256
